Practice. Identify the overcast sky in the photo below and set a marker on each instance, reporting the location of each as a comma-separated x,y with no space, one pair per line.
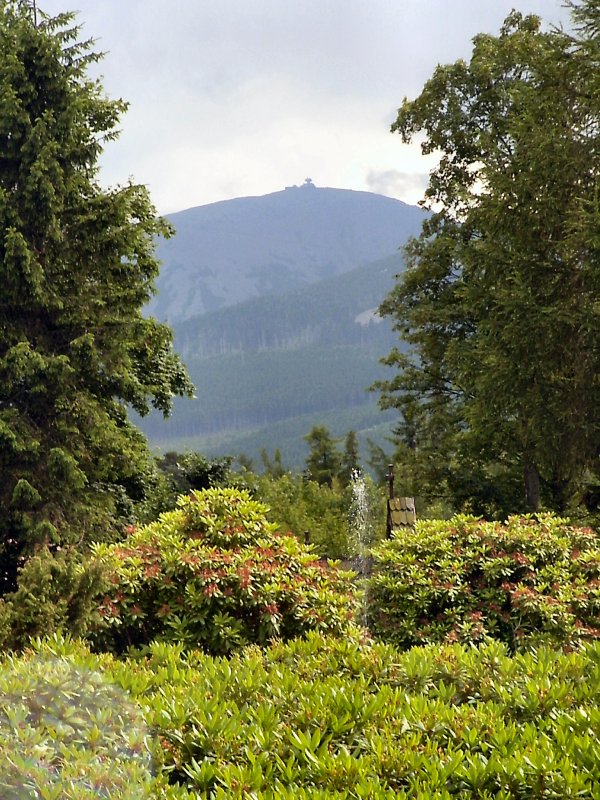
231,98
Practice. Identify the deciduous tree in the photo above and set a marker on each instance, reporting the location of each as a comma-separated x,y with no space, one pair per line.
499,389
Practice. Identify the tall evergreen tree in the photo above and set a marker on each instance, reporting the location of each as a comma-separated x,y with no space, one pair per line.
77,265
324,460
500,393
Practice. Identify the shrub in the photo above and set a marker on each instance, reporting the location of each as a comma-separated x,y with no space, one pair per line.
56,591
67,732
324,718
214,573
320,718
175,474
528,581
302,505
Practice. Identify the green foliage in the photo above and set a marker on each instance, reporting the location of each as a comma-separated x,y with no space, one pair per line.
499,303
190,470
57,591
317,512
287,435
215,573
281,357
280,389
528,581
344,719
273,467
350,460
323,463
319,718
77,265
66,732
180,473
314,511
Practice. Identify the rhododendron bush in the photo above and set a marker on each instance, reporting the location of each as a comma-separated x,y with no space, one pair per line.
214,573
531,580
316,718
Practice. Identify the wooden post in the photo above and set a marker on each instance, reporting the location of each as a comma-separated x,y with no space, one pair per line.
400,510
390,480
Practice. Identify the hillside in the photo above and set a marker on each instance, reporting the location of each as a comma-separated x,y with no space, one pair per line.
336,311
287,335
268,369
228,252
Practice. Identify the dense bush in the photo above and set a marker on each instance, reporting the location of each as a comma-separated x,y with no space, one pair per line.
340,718
319,717
528,581
323,718
68,732
175,474
215,573
56,591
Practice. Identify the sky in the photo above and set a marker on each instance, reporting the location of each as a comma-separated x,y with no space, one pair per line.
231,98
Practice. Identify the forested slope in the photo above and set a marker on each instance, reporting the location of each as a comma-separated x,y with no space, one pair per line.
310,352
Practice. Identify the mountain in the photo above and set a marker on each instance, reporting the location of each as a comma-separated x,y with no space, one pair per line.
270,366
228,252
337,311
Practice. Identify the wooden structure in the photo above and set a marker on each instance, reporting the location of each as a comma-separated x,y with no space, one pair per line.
400,510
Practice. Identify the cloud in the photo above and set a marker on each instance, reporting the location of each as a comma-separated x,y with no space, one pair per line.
407,186
235,97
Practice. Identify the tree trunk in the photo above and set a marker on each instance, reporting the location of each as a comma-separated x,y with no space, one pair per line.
531,477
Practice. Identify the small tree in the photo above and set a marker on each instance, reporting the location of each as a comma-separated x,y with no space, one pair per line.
274,466
77,264
350,461
324,461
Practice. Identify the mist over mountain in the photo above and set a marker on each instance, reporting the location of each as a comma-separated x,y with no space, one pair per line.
288,335
228,252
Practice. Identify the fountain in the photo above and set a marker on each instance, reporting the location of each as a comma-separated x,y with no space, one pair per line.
360,538
360,526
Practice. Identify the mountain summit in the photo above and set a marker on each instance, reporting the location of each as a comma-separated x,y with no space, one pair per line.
234,250
272,301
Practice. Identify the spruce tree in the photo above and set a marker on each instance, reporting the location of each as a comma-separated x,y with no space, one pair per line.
350,461
324,460
77,265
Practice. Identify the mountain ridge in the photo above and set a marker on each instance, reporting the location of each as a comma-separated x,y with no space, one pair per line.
303,350
232,250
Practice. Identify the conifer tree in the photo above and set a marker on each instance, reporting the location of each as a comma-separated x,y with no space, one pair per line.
324,460
77,264
350,461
